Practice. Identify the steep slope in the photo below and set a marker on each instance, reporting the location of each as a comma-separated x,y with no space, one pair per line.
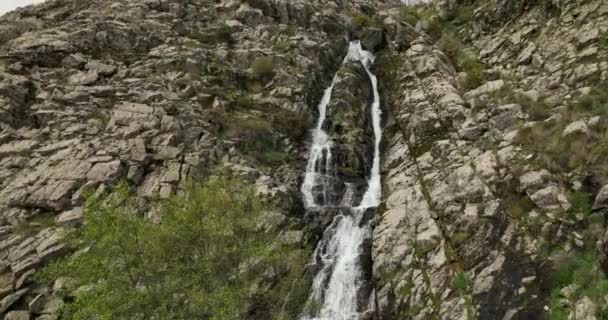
490,210
155,92
494,172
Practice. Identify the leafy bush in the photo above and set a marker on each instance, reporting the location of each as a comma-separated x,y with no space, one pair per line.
595,103
581,203
244,101
224,34
203,261
359,20
291,123
263,67
582,270
473,69
461,281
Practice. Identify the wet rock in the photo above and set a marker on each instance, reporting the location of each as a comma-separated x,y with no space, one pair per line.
372,39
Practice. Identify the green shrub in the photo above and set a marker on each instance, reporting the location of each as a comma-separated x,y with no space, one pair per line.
291,123
201,262
359,20
244,101
411,14
581,203
263,67
461,281
224,34
595,103
473,69
461,15
451,46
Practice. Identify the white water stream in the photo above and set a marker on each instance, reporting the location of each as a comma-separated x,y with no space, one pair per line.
335,286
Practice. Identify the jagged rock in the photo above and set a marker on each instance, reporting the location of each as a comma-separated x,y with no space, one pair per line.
576,127
546,198
71,217
534,180
101,68
18,315
18,148
486,88
585,309
372,39
36,305
10,299
84,78
601,200
105,171
6,283
292,237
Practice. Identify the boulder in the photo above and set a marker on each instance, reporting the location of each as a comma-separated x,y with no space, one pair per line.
18,315
105,171
372,39
8,301
576,127
601,200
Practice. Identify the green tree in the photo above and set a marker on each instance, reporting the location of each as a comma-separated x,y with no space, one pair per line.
205,260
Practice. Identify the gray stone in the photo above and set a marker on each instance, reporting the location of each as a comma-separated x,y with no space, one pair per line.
601,200
8,301
105,171
576,127
70,218
18,315
101,68
372,39
84,78
535,179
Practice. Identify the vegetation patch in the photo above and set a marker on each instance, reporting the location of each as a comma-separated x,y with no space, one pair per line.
263,68
205,260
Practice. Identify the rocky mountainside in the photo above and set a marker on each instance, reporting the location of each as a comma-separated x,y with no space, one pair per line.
494,170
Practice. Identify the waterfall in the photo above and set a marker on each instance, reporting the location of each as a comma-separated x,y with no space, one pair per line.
335,293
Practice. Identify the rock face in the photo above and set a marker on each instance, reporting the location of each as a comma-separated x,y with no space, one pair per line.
158,92
463,194
154,93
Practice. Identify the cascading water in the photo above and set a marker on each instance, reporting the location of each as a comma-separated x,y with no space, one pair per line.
336,290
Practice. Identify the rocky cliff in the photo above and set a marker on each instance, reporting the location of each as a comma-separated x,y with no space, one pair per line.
495,180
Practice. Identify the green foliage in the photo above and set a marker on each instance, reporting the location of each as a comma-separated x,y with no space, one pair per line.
468,63
461,15
244,101
461,281
463,60
205,260
224,34
34,225
389,66
291,123
220,33
581,203
595,103
460,237
582,270
359,20
256,138
415,13
263,67
583,152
